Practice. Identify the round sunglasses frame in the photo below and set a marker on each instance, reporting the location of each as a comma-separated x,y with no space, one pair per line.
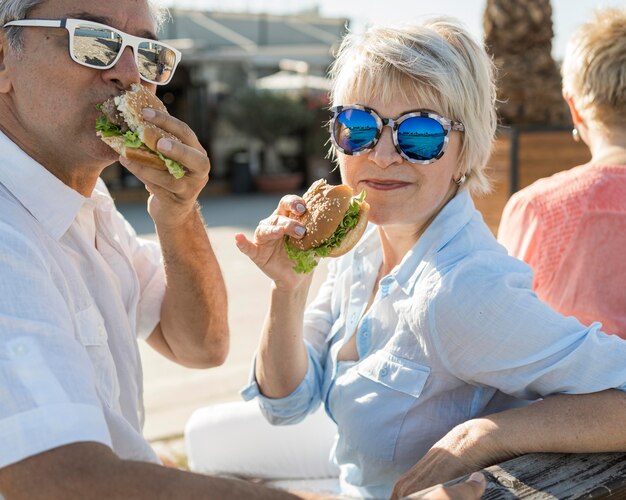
128,40
447,125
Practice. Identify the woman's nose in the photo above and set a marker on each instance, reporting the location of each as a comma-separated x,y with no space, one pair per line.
384,153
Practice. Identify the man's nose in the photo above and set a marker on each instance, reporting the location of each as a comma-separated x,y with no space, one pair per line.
125,71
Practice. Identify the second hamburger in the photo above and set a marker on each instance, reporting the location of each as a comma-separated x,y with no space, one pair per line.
335,220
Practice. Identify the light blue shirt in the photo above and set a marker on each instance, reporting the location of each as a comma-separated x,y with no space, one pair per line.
454,332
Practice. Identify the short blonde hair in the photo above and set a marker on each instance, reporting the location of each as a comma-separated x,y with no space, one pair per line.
436,63
594,67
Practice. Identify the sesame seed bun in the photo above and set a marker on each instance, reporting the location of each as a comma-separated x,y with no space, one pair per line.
326,206
130,104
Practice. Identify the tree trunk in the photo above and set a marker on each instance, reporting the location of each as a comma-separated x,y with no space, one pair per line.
519,34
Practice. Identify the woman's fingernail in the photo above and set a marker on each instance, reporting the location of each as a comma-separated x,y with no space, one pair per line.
300,208
299,230
477,477
164,144
148,113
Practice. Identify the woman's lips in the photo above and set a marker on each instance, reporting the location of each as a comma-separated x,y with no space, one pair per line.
384,185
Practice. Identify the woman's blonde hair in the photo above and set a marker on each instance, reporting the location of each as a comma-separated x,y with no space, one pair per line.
433,65
594,67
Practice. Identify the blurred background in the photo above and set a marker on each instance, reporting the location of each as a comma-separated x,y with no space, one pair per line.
253,85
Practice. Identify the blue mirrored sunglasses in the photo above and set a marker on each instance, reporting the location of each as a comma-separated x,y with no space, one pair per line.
418,136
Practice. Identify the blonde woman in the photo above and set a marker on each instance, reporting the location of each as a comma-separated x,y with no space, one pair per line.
571,229
427,322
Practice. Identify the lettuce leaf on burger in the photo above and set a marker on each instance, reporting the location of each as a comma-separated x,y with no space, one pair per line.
122,127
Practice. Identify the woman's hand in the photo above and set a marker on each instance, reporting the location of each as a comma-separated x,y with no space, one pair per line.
467,447
267,249
172,201
471,489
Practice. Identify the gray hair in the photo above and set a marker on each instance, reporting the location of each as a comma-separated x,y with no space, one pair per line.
436,63
12,10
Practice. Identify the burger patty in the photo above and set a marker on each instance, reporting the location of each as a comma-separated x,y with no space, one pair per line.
110,110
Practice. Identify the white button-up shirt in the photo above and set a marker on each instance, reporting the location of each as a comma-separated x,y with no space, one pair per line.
77,288
454,332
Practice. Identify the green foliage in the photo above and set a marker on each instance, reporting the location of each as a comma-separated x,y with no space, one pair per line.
266,115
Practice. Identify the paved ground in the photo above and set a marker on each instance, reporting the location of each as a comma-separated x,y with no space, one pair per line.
173,392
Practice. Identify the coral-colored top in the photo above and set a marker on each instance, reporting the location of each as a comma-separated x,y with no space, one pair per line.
571,229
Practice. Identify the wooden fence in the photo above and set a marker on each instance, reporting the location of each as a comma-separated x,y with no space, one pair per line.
520,157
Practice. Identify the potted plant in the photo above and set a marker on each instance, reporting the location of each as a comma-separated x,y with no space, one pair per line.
267,117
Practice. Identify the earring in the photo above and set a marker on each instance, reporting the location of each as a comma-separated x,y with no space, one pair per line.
575,135
460,180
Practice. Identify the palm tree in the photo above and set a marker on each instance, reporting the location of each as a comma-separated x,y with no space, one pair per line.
519,34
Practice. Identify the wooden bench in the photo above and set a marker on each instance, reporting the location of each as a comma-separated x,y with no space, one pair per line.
542,476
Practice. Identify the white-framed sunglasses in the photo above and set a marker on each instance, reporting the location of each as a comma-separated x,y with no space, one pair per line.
100,46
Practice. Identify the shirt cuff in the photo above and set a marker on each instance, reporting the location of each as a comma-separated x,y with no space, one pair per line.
33,432
289,409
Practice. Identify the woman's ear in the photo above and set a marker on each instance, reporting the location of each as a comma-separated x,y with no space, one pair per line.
576,118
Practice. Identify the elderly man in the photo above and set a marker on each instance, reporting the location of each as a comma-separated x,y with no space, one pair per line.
77,286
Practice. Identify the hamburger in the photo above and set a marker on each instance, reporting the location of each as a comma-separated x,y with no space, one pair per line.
334,221
122,127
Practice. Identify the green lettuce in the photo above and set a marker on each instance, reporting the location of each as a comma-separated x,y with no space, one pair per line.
306,260
175,168
132,140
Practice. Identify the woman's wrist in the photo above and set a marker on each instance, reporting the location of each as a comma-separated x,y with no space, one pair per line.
477,443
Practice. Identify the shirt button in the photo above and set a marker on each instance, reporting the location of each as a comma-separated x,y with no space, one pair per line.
101,331
19,350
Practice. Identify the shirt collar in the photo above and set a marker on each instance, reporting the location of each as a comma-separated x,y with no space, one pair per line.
50,201
455,215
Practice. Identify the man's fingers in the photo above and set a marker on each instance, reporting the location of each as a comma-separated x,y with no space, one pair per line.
174,126
195,161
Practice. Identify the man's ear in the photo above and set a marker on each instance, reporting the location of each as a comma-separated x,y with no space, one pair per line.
5,81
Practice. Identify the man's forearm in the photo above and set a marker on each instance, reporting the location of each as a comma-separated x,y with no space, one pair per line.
88,470
194,322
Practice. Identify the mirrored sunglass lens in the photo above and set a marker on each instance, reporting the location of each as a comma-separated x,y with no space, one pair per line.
95,45
156,62
355,130
421,138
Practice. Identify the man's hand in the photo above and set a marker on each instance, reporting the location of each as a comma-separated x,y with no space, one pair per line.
172,201
472,489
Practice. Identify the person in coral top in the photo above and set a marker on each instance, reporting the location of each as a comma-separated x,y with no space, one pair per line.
571,227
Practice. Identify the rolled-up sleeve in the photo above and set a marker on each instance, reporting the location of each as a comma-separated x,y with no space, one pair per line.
491,329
